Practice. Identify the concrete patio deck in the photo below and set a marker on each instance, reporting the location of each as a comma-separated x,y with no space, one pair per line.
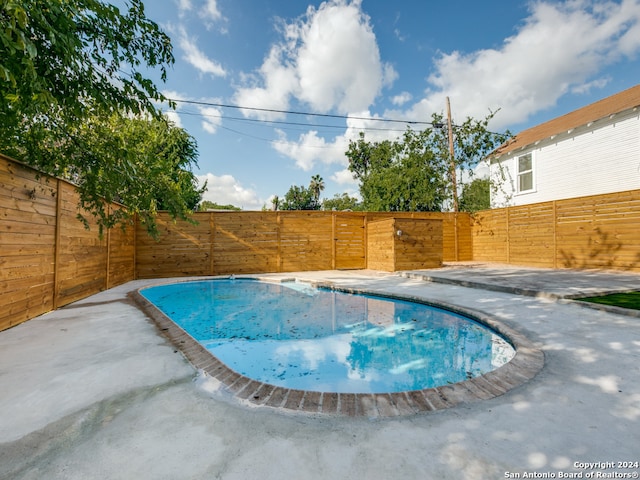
93,391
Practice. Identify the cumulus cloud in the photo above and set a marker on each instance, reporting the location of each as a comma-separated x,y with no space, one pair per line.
211,118
559,48
197,58
310,148
401,98
278,79
327,59
226,190
344,177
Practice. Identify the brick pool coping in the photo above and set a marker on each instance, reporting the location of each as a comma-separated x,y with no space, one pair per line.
526,363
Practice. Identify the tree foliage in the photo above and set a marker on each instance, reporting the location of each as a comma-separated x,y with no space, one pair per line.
74,103
414,173
208,205
340,202
316,186
476,195
300,197
143,163
61,55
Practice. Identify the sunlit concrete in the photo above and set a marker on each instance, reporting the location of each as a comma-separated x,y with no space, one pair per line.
93,391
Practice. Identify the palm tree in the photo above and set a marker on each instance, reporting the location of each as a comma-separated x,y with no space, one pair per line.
316,186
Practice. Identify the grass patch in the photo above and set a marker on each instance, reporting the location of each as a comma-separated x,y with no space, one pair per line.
624,300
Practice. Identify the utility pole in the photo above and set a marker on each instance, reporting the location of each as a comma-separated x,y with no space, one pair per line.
454,182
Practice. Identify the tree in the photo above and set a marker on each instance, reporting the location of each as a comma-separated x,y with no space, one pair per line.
67,65
341,202
316,186
413,173
143,163
61,55
208,205
299,198
476,195
398,175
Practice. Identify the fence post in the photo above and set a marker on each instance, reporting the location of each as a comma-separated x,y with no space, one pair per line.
455,239
108,259
212,230
56,250
278,245
555,238
333,240
508,238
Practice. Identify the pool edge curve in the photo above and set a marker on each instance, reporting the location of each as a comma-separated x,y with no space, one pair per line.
527,362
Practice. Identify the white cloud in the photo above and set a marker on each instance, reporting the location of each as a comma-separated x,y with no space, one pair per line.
279,81
183,6
173,117
197,58
310,148
211,11
338,62
344,177
560,48
401,99
211,118
226,190
328,59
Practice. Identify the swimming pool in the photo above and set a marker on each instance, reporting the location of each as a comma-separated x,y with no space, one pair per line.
371,330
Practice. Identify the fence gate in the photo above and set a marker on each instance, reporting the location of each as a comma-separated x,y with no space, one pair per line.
349,242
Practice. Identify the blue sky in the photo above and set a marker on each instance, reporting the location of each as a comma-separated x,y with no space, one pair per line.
368,59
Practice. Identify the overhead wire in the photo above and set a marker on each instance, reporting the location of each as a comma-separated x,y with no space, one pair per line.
293,112
436,125
284,122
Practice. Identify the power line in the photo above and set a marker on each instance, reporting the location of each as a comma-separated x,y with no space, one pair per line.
293,112
283,122
436,125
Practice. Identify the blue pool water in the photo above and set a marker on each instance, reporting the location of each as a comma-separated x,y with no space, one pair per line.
295,336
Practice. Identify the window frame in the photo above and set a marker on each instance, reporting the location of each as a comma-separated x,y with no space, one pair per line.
520,174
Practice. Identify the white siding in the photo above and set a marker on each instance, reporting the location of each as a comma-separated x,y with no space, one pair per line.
603,158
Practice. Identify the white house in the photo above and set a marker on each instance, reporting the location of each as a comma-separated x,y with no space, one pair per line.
590,151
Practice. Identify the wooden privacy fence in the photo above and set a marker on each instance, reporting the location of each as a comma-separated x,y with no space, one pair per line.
223,243
600,231
47,257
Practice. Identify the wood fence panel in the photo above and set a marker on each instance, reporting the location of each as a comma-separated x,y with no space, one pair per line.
490,236
306,242
462,222
82,254
380,254
531,235
420,244
350,242
121,243
182,248
27,239
245,242
599,232
456,246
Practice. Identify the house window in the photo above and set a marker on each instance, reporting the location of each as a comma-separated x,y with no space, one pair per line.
525,173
